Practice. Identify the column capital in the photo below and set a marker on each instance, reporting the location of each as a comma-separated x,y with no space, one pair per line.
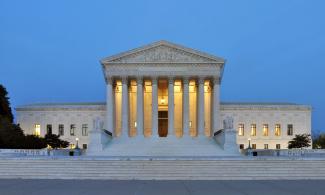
201,80
186,79
109,80
154,80
215,80
171,80
124,79
139,80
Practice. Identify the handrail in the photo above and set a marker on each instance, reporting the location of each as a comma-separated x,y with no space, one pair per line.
108,132
217,132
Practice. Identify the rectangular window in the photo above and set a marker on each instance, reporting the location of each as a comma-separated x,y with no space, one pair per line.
277,130
241,129
278,146
37,129
253,129
265,130
290,129
72,129
266,146
49,129
253,146
84,129
61,129
241,146
84,146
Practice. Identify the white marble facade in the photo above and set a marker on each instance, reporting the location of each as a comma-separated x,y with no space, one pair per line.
140,85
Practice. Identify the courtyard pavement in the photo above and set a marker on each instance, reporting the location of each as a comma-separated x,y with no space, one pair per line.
134,187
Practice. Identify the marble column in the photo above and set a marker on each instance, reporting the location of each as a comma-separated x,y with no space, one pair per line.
125,107
110,106
216,105
154,114
171,106
140,106
186,107
200,113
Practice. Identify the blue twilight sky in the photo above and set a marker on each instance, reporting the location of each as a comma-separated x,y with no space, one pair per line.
275,49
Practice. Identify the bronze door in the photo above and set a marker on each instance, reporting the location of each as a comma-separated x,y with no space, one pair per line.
163,123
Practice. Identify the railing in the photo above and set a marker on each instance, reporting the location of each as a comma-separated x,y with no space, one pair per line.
108,132
217,132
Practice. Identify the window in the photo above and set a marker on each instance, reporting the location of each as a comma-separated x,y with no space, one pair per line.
253,129
265,130
277,130
49,129
72,129
84,130
266,146
253,146
241,129
278,146
84,146
290,129
241,146
37,129
61,129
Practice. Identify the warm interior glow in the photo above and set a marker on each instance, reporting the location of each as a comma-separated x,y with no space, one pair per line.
241,129
37,129
135,123
162,100
265,130
253,129
277,130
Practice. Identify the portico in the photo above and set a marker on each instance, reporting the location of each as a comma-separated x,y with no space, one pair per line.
162,90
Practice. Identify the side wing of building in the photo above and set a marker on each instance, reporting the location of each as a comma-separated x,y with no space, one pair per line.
268,125
70,121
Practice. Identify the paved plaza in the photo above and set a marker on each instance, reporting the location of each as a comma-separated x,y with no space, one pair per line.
80,187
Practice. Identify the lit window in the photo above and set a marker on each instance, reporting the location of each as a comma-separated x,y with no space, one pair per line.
253,129
84,129
278,146
253,146
265,130
49,129
266,146
61,129
241,129
72,129
147,86
290,129
135,123
37,129
277,130
177,86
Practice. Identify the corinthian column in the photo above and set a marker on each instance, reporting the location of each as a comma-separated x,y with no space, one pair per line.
216,105
110,106
154,117
186,106
171,106
200,124
125,108
140,105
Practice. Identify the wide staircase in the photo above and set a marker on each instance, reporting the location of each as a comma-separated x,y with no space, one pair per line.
165,146
225,168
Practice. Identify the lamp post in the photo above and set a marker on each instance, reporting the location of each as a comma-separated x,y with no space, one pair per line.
249,149
77,139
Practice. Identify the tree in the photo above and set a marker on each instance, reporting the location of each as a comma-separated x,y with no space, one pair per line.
55,142
319,141
11,135
5,109
300,141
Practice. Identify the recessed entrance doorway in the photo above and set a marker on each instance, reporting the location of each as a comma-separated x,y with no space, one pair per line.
162,123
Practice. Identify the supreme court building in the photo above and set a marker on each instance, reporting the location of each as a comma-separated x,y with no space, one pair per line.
164,99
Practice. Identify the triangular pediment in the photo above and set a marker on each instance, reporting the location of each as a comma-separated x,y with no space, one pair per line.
163,52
